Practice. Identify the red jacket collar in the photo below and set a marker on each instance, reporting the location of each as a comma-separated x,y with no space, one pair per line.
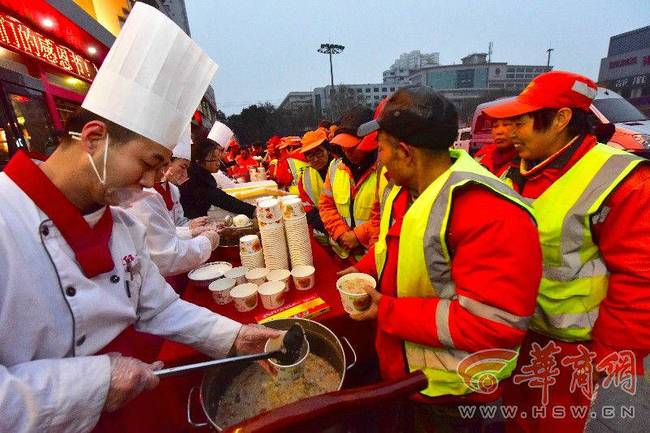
165,191
90,245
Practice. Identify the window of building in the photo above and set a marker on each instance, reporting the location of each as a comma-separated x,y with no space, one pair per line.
529,69
384,89
392,89
520,69
510,75
359,90
376,96
376,89
367,89
519,76
511,70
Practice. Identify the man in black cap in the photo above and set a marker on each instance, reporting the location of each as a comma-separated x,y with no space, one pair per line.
454,287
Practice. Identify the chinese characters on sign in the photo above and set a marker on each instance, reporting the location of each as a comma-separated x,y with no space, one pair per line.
617,369
15,35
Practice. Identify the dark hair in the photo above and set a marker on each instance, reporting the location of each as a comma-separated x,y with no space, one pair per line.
421,117
77,120
324,123
202,147
352,119
578,125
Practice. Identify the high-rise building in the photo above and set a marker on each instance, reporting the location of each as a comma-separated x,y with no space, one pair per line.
626,69
407,64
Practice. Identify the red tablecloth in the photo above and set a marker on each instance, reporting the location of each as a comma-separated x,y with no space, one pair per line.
163,410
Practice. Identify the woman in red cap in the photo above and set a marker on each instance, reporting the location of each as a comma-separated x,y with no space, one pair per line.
592,204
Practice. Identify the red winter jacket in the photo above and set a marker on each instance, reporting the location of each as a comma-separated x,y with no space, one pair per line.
624,242
496,259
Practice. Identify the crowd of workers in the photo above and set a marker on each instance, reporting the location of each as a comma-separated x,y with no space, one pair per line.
516,279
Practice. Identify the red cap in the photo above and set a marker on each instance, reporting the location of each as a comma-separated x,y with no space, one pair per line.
556,89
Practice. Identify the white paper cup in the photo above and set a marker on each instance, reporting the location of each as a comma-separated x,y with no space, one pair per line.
264,198
287,373
292,209
220,290
281,275
269,211
249,244
244,296
208,272
272,294
238,274
257,275
284,198
303,277
354,302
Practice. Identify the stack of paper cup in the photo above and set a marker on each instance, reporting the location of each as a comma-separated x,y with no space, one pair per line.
274,244
295,225
250,252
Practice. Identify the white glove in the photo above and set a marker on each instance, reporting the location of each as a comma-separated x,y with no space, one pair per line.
198,222
129,377
213,237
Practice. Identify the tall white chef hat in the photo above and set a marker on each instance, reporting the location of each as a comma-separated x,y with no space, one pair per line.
184,147
152,79
221,134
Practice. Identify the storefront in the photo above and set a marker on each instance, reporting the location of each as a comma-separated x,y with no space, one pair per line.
44,74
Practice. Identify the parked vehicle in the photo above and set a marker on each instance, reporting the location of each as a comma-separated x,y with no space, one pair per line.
631,128
462,140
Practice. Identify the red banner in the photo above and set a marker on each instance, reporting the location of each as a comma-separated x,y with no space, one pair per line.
17,36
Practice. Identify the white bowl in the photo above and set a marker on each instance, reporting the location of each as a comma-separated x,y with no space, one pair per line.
238,274
244,296
355,302
304,277
208,272
257,275
272,294
220,290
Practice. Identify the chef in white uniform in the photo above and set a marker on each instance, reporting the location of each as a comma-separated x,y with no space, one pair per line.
75,273
175,244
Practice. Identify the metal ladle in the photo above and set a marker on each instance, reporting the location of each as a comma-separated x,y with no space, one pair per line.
289,353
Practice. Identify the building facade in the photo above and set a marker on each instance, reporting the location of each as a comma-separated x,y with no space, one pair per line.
49,54
407,64
626,69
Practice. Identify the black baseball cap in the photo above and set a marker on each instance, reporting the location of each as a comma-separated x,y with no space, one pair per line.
418,116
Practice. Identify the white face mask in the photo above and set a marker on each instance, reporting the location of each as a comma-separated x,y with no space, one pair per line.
122,197
102,179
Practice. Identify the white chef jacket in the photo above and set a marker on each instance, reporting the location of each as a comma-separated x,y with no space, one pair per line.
176,213
53,318
168,251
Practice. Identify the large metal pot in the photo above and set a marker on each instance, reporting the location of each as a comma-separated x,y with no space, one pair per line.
322,342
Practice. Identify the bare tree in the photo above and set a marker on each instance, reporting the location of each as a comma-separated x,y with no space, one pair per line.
342,98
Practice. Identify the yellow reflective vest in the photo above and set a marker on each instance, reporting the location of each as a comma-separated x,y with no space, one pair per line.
362,203
295,166
575,278
423,270
312,183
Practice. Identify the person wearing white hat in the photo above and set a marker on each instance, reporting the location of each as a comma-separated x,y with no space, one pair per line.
201,192
175,244
76,272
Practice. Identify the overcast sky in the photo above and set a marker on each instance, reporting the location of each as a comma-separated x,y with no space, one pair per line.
266,49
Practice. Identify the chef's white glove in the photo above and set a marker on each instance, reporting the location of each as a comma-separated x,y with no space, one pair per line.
213,237
129,377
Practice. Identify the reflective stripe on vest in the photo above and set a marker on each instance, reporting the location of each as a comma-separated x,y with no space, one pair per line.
295,166
342,192
312,183
423,270
575,277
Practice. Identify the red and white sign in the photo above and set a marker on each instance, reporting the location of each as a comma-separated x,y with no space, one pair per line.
17,36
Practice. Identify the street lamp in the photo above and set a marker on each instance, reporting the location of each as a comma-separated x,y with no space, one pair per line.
331,49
